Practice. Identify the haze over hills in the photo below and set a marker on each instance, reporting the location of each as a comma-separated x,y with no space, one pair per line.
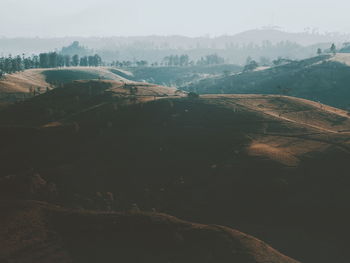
21,84
268,42
174,131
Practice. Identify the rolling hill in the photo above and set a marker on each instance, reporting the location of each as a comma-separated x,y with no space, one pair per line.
175,76
39,232
273,166
323,78
17,86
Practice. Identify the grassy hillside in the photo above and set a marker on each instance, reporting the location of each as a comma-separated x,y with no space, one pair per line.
176,76
22,81
251,162
62,76
78,97
38,232
17,86
323,79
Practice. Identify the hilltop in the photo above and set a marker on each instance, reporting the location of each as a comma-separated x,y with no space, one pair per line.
21,82
18,86
253,162
322,79
81,96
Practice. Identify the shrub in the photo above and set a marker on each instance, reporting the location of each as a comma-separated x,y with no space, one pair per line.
193,95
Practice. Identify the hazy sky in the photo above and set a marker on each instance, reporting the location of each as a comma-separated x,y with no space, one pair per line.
167,17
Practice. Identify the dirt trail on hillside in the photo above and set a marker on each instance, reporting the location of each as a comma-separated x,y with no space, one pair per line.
311,117
342,58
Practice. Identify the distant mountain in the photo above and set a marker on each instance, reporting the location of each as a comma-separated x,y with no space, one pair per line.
258,36
135,47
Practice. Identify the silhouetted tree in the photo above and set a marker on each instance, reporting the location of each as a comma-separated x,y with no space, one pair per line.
184,60
53,60
97,61
142,63
84,61
333,49
75,60
44,60
67,60
251,66
192,95
11,64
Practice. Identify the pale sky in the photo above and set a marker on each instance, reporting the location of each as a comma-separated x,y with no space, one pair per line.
54,18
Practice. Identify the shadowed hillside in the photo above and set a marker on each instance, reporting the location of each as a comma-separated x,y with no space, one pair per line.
322,78
38,232
251,162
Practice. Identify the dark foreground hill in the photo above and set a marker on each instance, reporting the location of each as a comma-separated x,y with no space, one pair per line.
324,78
275,167
37,232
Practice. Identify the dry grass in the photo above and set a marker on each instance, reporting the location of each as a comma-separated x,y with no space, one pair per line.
309,127
342,58
34,78
23,81
38,232
300,111
281,155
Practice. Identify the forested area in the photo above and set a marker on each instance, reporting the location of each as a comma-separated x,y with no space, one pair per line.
182,60
18,63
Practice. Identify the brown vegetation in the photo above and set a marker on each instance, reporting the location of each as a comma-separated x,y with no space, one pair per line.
38,232
251,162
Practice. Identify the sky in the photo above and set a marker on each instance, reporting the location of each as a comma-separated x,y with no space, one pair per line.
57,18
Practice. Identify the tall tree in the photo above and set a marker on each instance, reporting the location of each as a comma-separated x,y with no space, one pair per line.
67,60
75,60
53,60
84,61
333,49
91,61
44,60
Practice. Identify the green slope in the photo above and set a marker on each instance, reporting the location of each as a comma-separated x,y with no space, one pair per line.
317,79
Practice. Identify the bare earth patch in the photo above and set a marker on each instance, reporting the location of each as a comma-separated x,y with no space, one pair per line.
273,153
